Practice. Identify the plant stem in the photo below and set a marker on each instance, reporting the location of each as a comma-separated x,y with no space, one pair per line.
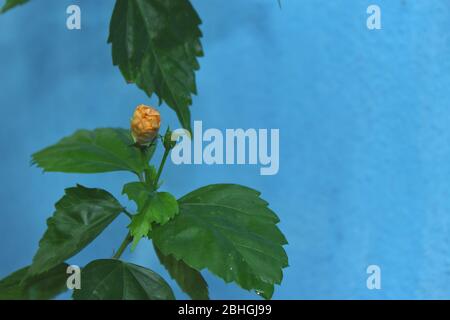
140,176
143,155
127,213
123,246
161,166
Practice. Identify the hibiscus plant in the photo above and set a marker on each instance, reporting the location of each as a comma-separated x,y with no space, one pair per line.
226,229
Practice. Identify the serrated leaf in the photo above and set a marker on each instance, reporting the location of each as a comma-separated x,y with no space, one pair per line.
153,207
229,230
111,279
17,286
155,43
9,4
190,280
93,151
80,216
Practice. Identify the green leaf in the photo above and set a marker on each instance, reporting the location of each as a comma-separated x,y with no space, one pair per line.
156,43
190,280
111,279
153,207
46,286
9,4
99,150
80,216
229,230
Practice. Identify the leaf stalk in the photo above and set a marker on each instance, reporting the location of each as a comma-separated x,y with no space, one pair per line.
123,246
161,167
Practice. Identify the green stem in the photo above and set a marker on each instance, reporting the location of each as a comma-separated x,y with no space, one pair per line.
161,166
128,239
129,214
140,176
143,155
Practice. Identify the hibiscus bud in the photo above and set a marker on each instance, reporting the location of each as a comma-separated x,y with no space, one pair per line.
145,124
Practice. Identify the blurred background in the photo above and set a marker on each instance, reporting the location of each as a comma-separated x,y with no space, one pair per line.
364,126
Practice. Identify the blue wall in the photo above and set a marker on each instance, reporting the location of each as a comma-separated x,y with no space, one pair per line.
364,119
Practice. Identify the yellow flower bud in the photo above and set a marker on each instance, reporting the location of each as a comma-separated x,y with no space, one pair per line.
145,124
